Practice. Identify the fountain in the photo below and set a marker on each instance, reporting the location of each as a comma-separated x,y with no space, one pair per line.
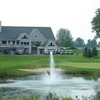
52,67
54,76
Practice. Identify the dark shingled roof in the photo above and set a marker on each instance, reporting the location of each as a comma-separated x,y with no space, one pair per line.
12,32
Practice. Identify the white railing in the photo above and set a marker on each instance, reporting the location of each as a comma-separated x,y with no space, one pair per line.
13,45
9,45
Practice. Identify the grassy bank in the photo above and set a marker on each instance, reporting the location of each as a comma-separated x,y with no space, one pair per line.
51,96
9,64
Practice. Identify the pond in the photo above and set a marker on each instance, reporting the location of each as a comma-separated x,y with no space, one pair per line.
68,86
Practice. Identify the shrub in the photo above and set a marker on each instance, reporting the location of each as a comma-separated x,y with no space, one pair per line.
90,52
94,51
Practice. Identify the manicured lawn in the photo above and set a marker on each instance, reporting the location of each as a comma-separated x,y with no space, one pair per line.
9,64
78,63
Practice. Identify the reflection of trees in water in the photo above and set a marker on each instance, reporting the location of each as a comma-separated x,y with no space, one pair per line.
89,77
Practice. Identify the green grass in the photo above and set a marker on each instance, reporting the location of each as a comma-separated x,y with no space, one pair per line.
51,96
34,97
78,64
10,64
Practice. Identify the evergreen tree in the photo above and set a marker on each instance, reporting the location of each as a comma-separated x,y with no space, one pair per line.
89,53
85,52
94,52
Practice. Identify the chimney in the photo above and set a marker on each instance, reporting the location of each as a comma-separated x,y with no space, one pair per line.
0,27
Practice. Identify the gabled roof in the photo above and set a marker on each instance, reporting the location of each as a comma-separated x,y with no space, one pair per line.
47,42
21,35
12,32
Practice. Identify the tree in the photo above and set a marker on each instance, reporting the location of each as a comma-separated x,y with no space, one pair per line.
98,45
64,38
91,43
79,42
96,23
85,52
94,52
88,52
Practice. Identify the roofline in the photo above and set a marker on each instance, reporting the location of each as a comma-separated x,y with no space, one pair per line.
29,26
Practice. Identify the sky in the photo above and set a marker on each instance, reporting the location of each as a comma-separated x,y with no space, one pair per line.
74,15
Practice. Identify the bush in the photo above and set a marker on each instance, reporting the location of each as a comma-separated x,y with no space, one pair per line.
94,51
54,96
90,52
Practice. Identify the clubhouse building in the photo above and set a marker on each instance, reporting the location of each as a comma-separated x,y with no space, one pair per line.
26,40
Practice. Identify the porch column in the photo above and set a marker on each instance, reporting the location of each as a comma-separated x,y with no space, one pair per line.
38,50
30,48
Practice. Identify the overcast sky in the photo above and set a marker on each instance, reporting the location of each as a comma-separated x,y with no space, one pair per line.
74,15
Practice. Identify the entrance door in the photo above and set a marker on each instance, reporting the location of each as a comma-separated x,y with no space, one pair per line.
41,51
34,50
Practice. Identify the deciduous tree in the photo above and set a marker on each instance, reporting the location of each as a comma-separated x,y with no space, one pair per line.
96,23
79,42
64,38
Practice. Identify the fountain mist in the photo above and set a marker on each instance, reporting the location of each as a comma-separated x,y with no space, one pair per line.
54,76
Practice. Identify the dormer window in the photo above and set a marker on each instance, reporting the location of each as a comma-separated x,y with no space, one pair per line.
24,37
51,44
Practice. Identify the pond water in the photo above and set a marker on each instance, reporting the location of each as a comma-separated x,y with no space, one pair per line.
68,86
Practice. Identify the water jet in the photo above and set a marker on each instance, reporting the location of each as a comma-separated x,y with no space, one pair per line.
54,76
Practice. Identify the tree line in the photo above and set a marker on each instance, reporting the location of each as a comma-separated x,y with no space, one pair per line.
64,38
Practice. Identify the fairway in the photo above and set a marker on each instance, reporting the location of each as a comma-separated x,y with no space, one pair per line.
10,64
81,65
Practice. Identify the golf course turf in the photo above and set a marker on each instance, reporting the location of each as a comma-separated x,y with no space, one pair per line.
10,64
